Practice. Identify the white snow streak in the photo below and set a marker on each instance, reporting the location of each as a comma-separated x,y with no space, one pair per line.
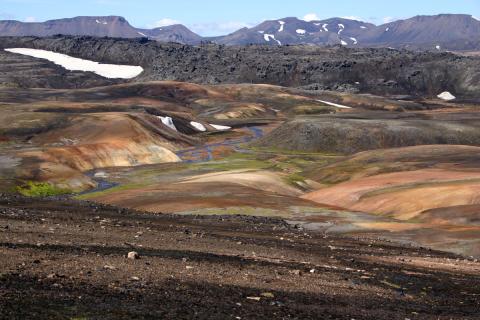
447,96
198,126
342,27
111,71
363,27
335,104
354,40
142,34
325,27
282,24
219,127
168,122
344,43
267,38
300,31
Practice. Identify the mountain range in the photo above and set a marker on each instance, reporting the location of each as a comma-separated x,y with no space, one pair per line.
110,26
438,32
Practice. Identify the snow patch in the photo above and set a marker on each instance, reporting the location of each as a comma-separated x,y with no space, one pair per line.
387,29
267,38
198,126
301,31
344,43
324,27
100,174
354,40
219,127
438,47
168,121
100,22
142,34
342,27
363,27
317,24
335,104
282,24
447,96
262,32
111,71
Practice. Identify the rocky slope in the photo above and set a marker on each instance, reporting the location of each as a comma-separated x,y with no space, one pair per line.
351,133
377,71
18,71
68,260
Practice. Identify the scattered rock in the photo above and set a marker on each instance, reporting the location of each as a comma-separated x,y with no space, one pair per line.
254,298
108,267
133,255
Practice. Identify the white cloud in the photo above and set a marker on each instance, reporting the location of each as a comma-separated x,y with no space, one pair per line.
6,16
311,17
218,28
353,18
163,23
388,19
30,19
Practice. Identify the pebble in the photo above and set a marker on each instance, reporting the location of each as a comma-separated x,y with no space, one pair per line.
108,267
133,255
254,298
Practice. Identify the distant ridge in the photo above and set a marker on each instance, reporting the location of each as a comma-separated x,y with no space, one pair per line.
109,26
454,32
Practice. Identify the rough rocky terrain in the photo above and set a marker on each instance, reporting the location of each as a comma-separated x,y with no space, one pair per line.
350,132
64,259
376,71
18,71
156,147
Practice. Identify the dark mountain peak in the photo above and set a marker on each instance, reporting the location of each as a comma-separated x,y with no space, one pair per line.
173,33
437,32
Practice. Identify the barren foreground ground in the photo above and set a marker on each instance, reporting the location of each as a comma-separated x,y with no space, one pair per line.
62,259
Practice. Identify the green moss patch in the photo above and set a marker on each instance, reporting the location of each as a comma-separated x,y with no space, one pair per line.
40,189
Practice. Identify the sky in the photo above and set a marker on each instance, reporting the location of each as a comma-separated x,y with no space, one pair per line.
216,17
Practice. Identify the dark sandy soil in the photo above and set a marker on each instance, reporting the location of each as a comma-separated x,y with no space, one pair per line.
62,259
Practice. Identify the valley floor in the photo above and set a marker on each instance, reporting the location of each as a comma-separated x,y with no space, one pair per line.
65,259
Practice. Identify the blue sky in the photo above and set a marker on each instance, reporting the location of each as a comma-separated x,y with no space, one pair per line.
213,17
